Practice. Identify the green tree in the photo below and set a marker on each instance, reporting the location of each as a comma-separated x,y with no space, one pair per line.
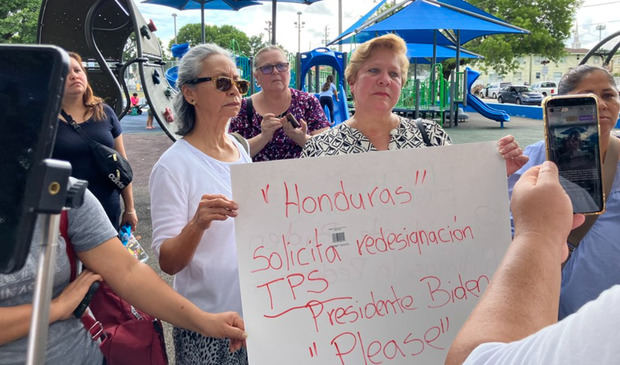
18,21
222,36
257,42
549,22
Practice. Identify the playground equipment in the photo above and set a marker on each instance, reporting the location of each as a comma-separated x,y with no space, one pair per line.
324,57
479,105
98,30
178,51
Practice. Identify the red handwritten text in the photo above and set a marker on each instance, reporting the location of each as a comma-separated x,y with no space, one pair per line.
390,241
292,256
295,280
342,200
353,348
443,293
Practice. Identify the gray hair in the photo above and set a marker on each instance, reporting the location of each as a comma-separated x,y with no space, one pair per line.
266,49
573,77
189,69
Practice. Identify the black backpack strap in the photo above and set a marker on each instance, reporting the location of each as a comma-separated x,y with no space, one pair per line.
422,128
249,109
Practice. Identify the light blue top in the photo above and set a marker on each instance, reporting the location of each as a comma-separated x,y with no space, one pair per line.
594,266
329,92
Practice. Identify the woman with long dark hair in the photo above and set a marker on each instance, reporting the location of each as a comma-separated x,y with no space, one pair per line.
98,122
328,90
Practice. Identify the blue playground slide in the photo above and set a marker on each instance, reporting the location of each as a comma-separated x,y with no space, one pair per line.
171,76
325,57
341,109
480,106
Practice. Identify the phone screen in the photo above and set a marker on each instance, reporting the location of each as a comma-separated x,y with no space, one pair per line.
573,144
31,85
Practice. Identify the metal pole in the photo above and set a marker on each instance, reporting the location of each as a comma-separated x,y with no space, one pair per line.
174,16
273,21
298,31
339,24
456,80
202,21
39,322
433,68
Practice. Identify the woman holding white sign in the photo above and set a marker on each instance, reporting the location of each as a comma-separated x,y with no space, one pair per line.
191,198
376,74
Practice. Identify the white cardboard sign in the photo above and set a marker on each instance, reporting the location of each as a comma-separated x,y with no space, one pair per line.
367,258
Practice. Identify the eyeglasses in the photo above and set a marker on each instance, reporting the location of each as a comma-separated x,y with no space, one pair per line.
223,83
268,69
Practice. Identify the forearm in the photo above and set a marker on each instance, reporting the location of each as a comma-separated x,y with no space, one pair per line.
177,252
127,195
15,321
257,143
520,300
145,285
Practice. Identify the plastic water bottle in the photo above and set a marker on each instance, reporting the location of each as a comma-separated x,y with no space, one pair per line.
131,243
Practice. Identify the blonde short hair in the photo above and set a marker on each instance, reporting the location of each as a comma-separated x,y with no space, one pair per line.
365,51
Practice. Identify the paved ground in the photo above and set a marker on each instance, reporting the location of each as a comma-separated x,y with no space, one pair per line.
145,146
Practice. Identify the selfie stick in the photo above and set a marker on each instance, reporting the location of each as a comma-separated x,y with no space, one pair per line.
55,193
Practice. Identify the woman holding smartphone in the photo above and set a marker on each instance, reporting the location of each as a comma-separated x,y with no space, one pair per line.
593,265
262,117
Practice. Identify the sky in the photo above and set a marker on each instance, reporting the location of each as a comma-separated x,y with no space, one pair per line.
324,14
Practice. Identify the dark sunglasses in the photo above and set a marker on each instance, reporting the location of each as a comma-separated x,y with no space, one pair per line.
223,83
268,69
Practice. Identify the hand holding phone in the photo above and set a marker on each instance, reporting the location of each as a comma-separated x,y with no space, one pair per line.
572,139
291,119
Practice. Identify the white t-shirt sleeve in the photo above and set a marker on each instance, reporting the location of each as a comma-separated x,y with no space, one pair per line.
169,205
585,337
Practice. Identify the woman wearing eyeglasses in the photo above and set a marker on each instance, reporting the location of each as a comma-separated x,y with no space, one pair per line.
262,119
191,206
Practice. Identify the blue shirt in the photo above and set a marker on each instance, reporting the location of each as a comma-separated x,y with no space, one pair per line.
594,266
329,92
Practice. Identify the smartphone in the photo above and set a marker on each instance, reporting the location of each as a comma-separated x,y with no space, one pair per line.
291,119
572,138
32,80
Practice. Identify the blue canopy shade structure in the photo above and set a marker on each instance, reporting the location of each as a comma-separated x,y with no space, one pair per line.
425,15
423,52
463,5
411,36
361,20
202,5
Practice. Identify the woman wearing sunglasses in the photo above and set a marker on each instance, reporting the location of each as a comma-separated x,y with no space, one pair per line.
191,206
262,119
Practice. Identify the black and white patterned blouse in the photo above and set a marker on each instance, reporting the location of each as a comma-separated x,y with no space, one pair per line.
344,139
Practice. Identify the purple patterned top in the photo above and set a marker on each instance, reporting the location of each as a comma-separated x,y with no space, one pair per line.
303,106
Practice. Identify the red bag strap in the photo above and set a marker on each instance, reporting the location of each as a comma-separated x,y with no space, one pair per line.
64,232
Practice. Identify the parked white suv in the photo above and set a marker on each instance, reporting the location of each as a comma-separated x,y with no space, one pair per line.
494,89
546,88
